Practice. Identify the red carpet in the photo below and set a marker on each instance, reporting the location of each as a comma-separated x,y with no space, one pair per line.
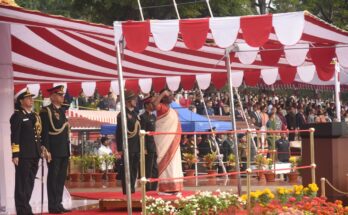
118,195
97,212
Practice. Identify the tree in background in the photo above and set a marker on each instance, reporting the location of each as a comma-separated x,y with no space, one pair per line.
106,11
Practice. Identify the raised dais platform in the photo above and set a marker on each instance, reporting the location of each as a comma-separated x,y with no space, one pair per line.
116,200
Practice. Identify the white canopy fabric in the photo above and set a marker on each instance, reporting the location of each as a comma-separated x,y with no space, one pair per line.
290,48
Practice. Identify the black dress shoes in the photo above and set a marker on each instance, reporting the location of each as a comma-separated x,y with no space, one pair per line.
62,209
55,211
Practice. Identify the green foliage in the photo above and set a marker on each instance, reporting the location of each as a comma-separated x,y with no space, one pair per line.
332,11
108,160
87,162
107,11
209,160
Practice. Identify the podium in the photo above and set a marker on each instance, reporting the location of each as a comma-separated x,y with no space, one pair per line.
331,157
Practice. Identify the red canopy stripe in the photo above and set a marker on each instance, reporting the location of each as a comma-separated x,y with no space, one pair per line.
322,56
252,77
194,32
158,84
272,56
136,35
256,29
219,80
103,87
133,85
44,88
74,89
188,82
325,73
287,74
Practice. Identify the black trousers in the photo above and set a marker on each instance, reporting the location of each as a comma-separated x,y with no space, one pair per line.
24,184
151,170
57,171
134,160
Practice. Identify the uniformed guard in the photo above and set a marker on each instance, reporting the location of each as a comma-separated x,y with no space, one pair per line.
55,137
133,126
26,149
148,120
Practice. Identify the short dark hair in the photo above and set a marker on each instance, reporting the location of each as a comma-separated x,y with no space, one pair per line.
103,139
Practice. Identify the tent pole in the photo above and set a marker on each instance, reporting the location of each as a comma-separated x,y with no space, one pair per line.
196,165
233,117
176,9
141,11
209,8
337,91
124,127
220,159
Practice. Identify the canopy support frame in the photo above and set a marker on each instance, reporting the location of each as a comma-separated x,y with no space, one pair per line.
233,117
124,126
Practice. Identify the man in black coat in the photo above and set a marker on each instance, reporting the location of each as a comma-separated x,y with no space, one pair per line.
256,116
133,128
291,122
55,137
148,122
26,150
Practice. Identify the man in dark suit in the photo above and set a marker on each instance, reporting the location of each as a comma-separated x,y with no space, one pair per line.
291,122
55,137
148,122
256,116
300,118
26,149
133,126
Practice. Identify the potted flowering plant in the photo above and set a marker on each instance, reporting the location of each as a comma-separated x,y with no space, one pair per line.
75,163
270,175
87,165
109,160
209,160
190,160
293,175
97,175
231,164
261,162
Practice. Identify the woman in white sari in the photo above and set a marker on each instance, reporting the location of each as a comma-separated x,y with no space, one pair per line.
168,146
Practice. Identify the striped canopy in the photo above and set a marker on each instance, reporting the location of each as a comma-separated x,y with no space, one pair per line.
281,49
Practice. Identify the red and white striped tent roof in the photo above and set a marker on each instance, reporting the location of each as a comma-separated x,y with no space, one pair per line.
280,48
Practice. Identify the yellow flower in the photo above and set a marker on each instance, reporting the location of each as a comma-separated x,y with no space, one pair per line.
271,195
244,197
313,187
281,190
267,191
298,189
292,159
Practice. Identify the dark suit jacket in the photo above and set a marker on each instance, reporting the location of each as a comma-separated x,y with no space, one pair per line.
291,121
55,139
300,120
133,143
25,135
148,123
258,121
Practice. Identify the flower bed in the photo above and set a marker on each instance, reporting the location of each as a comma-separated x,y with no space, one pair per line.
297,200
